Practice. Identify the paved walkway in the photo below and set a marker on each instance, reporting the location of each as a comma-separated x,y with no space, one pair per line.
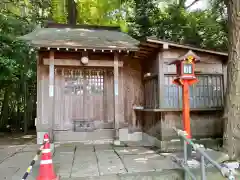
78,162
95,162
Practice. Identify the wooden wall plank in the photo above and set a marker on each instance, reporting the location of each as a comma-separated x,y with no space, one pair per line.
121,112
201,67
133,90
109,96
208,63
44,90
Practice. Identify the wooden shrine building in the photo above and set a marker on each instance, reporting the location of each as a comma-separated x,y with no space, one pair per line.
97,83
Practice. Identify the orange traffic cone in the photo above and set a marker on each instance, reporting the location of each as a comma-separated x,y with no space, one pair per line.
45,138
46,171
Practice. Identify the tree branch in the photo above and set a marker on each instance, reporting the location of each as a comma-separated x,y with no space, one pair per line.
190,5
181,3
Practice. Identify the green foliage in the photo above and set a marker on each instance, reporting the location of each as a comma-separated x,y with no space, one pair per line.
59,11
12,51
202,28
17,67
142,22
93,12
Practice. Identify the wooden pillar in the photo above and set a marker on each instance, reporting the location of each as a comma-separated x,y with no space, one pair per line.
160,59
39,96
116,95
224,83
51,95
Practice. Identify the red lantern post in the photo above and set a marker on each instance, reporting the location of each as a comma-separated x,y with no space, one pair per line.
185,67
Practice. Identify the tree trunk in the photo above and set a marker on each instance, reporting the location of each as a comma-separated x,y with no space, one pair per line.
30,110
232,108
5,109
72,13
19,103
25,108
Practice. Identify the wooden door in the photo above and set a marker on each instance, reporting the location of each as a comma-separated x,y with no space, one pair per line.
84,98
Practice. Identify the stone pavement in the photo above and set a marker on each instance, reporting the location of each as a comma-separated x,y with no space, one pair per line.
75,161
78,161
14,161
95,162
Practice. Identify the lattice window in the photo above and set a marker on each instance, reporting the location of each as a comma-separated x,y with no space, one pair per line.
207,93
78,81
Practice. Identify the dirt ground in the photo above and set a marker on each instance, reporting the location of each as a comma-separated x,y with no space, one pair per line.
17,138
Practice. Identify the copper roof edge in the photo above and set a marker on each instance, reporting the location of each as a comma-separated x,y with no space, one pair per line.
153,40
81,26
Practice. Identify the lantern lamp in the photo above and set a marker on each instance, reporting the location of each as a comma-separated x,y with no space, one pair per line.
185,66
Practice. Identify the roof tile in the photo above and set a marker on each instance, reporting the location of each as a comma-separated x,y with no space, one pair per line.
81,38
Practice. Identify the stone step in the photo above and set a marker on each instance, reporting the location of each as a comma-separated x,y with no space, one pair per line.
94,137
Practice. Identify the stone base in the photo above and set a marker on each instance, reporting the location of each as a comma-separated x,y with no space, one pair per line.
97,136
40,137
175,145
124,135
117,142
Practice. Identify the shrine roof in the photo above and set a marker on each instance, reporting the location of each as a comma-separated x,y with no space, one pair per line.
153,39
152,45
81,37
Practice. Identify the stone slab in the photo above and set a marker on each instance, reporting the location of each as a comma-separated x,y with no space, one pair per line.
63,170
18,160
109,162
63,159
19,174
7,173
160,164
133,150
85,162
82,147
64,147
9,151
105,153
64,150
85,169
103,147
109,177
3,155
137,163
103,162
81,156
166,175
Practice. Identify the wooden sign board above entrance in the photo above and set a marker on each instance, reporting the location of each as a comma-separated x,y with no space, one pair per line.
76,62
